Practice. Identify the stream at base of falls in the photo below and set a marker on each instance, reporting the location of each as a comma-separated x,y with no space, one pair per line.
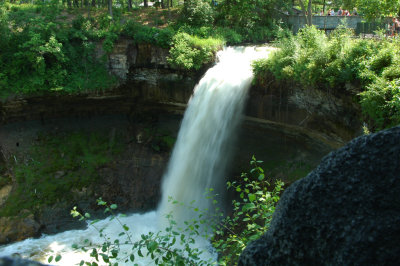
198,162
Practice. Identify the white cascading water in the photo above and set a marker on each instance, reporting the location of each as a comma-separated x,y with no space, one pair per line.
204,144
198,161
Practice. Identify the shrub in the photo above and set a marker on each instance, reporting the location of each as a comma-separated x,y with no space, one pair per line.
384,58
313,60
392,72
252,214
381,103
231,36
143,34
191,52
197,13
42,54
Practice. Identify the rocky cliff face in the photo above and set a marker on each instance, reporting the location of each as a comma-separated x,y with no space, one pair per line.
131,178
345,212
292,124
331,118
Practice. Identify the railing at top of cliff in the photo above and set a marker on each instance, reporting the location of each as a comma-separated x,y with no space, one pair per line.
329,23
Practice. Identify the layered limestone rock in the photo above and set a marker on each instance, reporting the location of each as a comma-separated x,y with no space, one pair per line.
326,116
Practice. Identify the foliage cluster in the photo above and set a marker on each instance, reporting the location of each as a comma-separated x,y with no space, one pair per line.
57,165
234,21
41,53
47,48
342,63
172,246
197,13
192,52
378,9
255,20
176,245
252,213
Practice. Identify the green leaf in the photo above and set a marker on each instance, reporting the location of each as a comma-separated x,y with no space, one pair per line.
252,197
248,206
58,258
132,257
113,206
50,259
140,253
105,257
151,246
114,253
126,228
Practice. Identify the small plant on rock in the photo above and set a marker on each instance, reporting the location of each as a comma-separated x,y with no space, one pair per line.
252,214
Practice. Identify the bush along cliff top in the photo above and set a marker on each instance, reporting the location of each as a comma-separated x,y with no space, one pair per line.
365,68
54,46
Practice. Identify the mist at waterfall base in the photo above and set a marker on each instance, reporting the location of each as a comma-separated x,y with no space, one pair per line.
198,163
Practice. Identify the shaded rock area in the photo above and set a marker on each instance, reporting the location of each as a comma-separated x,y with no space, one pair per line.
345,212
131,179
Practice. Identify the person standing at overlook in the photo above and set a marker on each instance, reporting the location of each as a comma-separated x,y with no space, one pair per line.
340,12
398,26
393,27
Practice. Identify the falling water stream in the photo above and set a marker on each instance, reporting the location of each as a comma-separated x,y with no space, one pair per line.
198,162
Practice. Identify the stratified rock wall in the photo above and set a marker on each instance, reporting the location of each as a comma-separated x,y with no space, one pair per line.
335,117
345,212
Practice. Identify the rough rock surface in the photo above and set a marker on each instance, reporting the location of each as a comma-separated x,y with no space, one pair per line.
15,228
346,212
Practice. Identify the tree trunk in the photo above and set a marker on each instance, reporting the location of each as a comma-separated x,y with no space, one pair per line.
309,16
129,5
110,8
307,13
145,3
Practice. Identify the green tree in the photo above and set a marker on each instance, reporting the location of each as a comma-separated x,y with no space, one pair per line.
377,9
248,13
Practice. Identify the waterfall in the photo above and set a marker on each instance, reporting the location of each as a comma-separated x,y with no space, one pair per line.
205,140
198,161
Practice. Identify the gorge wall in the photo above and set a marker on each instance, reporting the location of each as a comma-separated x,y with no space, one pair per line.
289,128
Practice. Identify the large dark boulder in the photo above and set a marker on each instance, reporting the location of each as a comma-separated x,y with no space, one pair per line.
345,212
